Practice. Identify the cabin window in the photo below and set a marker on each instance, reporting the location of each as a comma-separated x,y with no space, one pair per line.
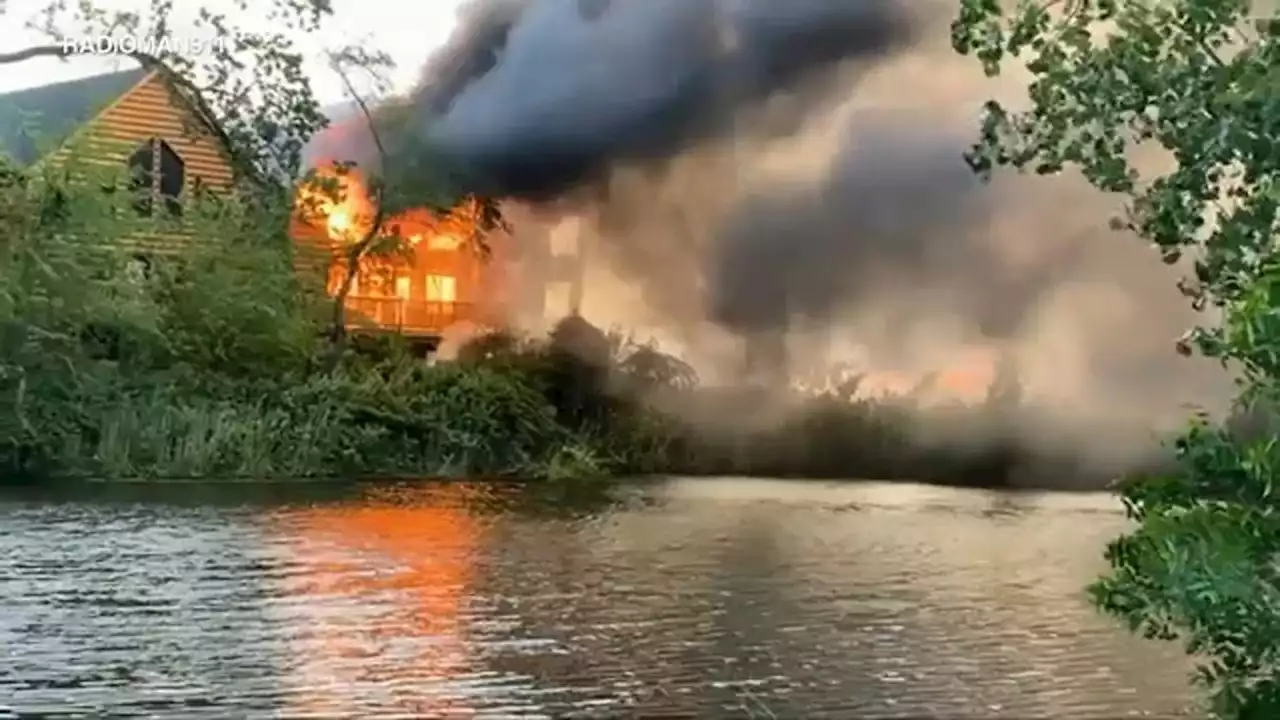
402,287
156,172
141,179
442,288
173,176
138,269
53,208
444,241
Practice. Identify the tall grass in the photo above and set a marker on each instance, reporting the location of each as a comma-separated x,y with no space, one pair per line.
644,412
417,420
214,362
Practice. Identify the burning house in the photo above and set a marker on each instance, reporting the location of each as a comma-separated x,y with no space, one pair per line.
438,277
449,277
448,273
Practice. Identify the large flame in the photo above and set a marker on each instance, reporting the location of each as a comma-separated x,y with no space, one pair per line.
444,274
339,224
337,200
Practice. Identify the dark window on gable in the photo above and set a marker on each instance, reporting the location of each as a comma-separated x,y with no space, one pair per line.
53,208
156,172
173,176
54,203
138,268
142,178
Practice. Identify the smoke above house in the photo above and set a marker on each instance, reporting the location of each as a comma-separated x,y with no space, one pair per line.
792,172
541,96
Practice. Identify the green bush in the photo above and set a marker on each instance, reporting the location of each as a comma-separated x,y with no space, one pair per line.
216,362
1196,79
211,359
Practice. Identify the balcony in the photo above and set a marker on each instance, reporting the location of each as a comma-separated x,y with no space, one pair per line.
407,317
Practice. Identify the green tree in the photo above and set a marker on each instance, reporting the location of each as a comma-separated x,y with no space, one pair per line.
211,362
254,83
394,182
1201,80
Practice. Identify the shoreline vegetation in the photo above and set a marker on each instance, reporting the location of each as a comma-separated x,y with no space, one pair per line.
1195,82
211,360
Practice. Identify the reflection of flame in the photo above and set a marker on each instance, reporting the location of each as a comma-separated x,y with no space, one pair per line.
388,567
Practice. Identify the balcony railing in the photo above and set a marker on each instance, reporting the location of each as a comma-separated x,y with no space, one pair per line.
410,317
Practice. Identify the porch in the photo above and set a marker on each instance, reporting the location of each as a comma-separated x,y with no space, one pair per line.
413,318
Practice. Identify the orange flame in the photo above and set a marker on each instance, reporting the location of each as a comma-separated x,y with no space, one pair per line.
338,200
966,376
438,273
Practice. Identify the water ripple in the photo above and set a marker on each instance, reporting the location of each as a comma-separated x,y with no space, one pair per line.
691,598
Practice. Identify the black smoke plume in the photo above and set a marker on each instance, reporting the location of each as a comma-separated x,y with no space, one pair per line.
758,166
539,97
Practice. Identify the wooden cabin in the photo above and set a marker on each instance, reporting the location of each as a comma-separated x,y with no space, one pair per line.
446,274
137,120
451,276
142,121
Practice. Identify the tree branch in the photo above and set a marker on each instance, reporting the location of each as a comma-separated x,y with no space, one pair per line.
377,197
57,51
63,50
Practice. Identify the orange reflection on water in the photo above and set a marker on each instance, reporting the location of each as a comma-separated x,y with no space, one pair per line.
376,593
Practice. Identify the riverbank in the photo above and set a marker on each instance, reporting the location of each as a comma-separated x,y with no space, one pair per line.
216,361
534,415
542,410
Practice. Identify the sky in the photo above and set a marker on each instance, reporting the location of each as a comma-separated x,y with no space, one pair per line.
405,29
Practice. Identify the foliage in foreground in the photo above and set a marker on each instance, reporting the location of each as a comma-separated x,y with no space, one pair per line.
1199,79
209,359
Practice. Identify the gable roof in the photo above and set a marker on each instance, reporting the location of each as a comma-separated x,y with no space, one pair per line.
34,120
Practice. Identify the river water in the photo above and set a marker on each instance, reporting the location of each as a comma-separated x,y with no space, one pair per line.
714,598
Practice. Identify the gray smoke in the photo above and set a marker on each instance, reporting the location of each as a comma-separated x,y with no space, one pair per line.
891,196
774,168
537,97
543,99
